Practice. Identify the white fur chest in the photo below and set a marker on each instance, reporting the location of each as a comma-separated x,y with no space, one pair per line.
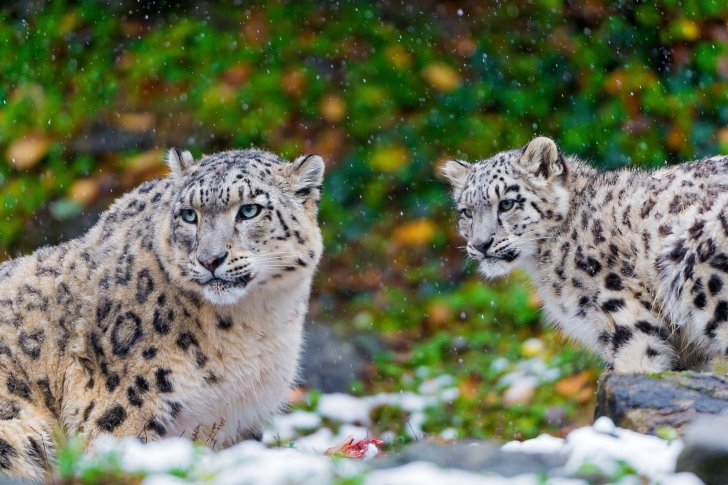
249,372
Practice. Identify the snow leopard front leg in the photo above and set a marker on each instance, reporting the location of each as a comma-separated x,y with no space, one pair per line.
636,339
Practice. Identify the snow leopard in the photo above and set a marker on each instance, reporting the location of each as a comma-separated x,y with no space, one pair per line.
632,264
179,313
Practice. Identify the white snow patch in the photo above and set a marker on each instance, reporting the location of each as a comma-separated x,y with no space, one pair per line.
344,408
433,385
155,457
425,473
648,455
285,427
543,444
602,445
252,463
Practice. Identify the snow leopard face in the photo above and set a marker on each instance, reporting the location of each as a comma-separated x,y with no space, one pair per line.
509,202
244,219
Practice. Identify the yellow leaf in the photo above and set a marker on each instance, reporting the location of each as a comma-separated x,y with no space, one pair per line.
438,314
27,152
389,158
688,29
572,385
144,161
138,122
83,191
398,57
722,135
442,77
413,233
293,82
333,108
532,347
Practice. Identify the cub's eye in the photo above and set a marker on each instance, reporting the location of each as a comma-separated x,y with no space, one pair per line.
505,205
189,216
248,211
467,213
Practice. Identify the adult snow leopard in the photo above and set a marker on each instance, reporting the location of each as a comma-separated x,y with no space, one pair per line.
179,313
633,264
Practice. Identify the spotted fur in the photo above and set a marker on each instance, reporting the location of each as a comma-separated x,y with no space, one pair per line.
633,264
150,325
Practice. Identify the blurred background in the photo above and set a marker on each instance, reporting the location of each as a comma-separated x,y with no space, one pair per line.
92,93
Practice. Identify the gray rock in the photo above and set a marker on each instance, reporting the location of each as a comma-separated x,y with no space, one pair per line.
673,399
101,138
328,362
475,456
706,450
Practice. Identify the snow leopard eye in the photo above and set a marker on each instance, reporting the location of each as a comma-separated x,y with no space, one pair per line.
467,213
505,205
248,211
189,216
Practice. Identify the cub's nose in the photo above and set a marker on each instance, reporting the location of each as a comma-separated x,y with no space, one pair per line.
483,246
213,263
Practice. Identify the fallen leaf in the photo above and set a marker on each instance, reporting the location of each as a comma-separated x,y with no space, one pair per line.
438,314
675,139
465,46
293,82
414,233
83,191
28,151
389,158
615,82
333,108
572,385
584,395
532,347
357,449
470,389
255,29
138,122
237,75
398,57
144,161
687,29
442,77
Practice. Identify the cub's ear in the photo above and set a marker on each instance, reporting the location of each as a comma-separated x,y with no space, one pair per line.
306,175
178,161
456,172
542,159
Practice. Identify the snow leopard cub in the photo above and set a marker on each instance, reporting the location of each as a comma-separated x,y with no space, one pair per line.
632,264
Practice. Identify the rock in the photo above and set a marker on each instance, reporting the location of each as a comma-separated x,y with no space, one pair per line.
706,450
101,138
328,362
645,403
475,456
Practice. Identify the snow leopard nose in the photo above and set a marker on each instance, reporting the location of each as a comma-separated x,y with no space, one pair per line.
483,246
213,263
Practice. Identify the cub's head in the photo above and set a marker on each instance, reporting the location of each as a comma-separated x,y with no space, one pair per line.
242,219
508,203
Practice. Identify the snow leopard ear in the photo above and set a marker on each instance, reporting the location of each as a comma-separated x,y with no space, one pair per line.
542,159
456,172
178,161
306,175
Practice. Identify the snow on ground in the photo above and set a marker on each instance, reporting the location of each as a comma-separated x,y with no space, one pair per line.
294,446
